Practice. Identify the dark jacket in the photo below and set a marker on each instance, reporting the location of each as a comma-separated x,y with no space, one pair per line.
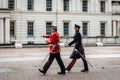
78,45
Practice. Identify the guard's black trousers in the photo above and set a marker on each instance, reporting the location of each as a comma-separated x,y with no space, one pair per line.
50,60
74,61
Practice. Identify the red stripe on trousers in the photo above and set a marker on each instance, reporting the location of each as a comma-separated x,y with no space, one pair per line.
71,64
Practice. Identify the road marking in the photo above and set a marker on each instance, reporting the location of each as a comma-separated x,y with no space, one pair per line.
65,57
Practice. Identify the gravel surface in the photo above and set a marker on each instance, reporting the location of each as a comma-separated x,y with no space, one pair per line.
23,64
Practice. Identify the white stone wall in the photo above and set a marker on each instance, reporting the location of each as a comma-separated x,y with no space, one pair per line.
75,16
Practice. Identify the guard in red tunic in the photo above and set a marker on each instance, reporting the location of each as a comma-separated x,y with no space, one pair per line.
78,46
54,41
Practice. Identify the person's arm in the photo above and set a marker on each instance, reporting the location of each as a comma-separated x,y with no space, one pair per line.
78,41
53,40
47,36
71,43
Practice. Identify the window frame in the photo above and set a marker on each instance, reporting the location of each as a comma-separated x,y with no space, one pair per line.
66,28
11,5
30,28
66,6
48,28
102,6
12,30
101,29
49,6
84,6
85,30
30,5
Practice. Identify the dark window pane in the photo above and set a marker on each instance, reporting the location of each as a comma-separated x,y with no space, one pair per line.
48,28
85,6
11,4
85,29
102,29
66,5
66,29
48,5
30,4
12,29
30,29
102,6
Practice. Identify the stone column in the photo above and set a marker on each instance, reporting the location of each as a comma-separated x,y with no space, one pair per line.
92,6
54,7
1,31
70,5
89,5
78,5
97,6
114,28
109,6
7,30
18,4
74,5
118,27
5,2
60,6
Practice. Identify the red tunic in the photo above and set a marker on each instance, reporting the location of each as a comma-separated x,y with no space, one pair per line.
54,43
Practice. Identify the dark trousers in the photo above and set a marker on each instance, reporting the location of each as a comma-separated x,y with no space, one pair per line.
50,60
74,61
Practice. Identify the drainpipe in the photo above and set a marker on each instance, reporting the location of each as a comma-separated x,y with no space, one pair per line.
4,30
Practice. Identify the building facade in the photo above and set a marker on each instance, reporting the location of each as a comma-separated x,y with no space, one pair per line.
27,20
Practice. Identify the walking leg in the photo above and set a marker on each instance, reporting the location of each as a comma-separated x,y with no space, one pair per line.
47,65
60,62
71,64
85,64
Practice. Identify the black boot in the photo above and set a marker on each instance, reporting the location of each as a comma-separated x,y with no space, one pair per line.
84,70
61,73
42,71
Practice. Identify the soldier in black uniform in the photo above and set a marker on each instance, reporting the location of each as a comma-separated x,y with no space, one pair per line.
78,46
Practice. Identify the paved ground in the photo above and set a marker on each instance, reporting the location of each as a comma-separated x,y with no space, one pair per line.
23,64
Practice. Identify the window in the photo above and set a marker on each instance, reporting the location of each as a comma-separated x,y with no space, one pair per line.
48,5
30,4
30,28
115,2
48,28
85,29
11,4
66,5
66,28
12,29
102,31
102,6
85,6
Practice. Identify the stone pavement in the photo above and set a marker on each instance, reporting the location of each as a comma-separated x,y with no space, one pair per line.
23,64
